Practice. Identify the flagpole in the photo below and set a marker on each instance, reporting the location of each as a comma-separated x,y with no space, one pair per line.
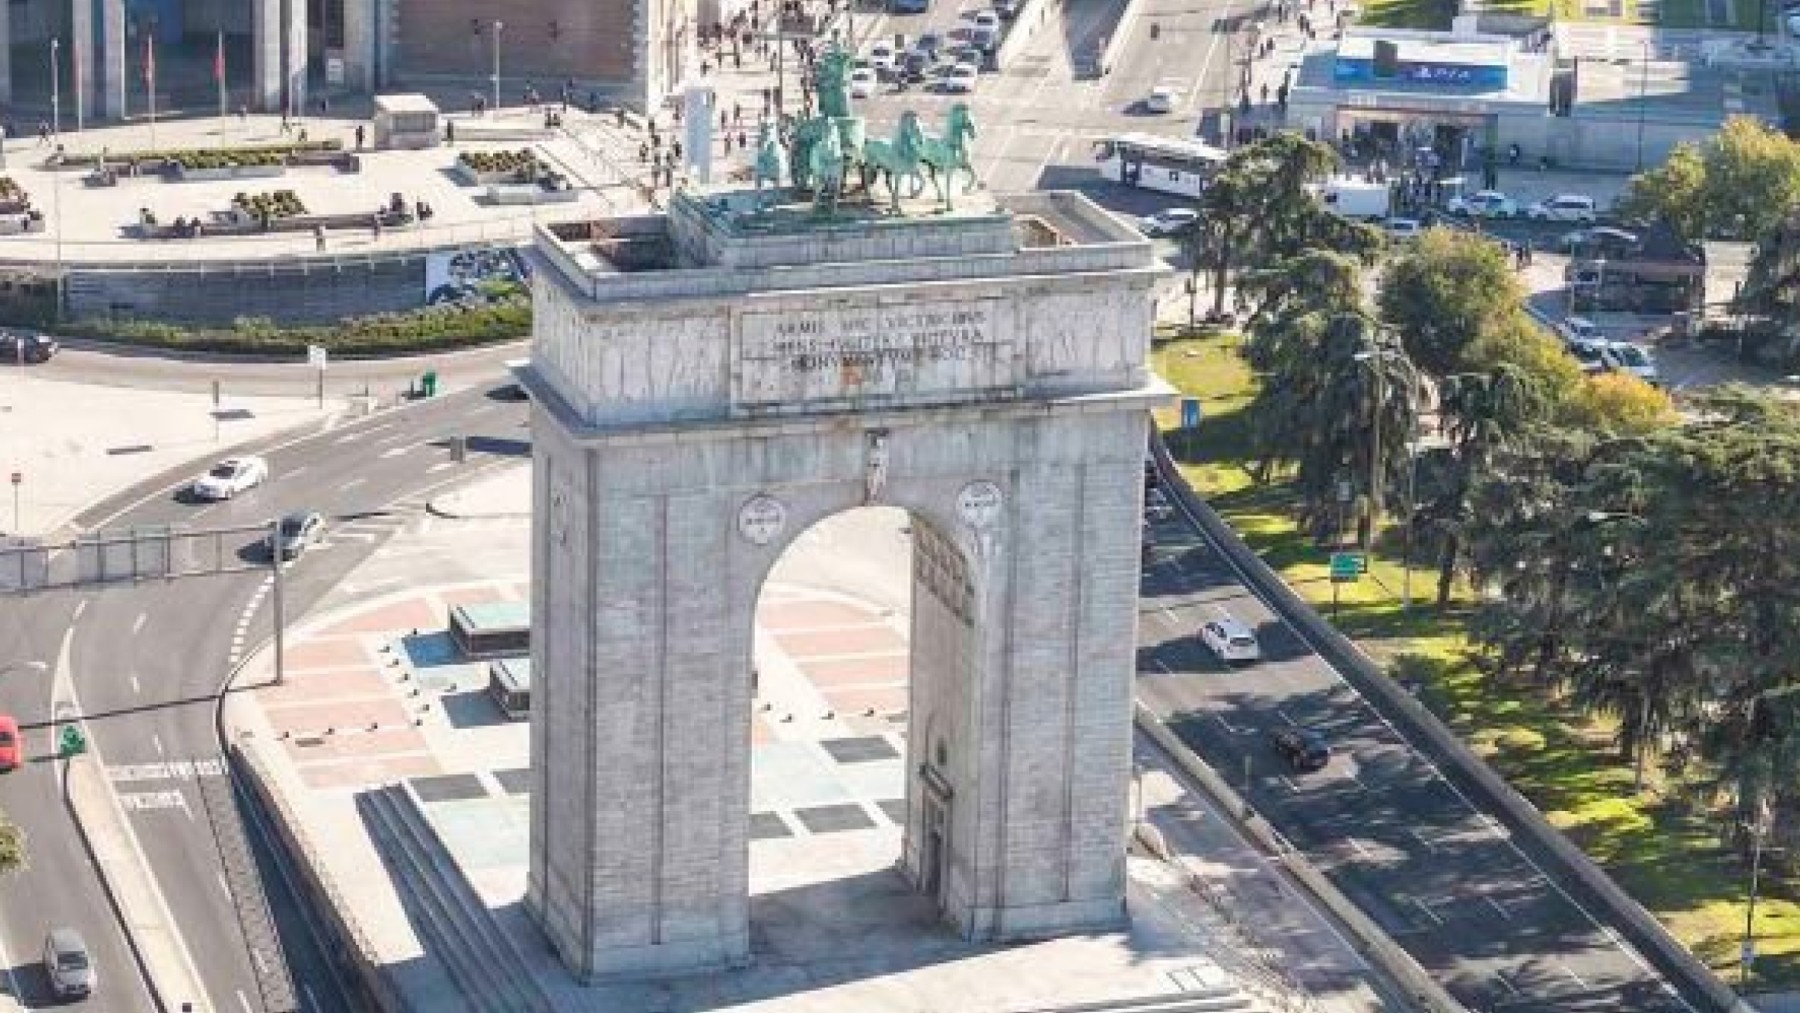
80,102
150,77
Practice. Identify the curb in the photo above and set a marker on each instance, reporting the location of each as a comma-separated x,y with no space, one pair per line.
1115,44
437,508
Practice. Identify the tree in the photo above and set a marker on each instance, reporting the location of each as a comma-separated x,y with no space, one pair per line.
1516,340
12,846
1739,184
1444,295
1482,413
1617,404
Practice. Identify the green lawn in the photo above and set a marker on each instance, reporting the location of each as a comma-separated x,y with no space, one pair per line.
1436,14
1562,760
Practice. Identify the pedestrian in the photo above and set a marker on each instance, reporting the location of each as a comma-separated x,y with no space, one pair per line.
319,238
674,151
286,127
359,136
737,112
643,152
724,120
1265,93
43,133
324,105
302,138
743,141
450,132
243,113
375,226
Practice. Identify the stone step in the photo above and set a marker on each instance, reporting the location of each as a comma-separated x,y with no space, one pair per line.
1220,999
478,957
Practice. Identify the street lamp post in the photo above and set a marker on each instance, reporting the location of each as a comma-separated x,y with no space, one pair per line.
1747,951
56,87
1371,358
1643,100
498,26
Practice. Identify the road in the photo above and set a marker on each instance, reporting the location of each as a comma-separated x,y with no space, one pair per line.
146,665
1439,875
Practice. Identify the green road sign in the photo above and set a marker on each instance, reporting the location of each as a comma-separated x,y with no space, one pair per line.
1347,566
71,742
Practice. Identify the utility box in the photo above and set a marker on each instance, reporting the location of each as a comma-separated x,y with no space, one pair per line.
406,122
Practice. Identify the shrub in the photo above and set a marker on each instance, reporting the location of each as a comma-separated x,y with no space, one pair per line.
279,204
433,328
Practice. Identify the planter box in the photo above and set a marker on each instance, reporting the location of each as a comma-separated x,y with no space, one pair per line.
14,225
188,175
528,193
469,177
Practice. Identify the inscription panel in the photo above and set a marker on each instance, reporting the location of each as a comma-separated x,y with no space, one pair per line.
933,351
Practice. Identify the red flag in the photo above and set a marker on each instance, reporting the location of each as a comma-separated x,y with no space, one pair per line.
219,60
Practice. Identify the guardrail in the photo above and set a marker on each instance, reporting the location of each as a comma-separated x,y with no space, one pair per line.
1574,871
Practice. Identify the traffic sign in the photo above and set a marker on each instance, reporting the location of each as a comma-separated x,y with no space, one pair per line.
71,742
317,356
18,478
1347,566
1190,412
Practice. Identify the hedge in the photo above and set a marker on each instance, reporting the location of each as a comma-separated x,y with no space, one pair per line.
432,329
266,154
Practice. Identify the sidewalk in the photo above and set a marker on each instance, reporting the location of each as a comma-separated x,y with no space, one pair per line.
73,444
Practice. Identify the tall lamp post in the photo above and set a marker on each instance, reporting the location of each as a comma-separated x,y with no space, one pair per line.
1643,100
498,26
1747,950
56,86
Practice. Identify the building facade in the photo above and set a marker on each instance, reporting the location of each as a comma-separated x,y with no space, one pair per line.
77,60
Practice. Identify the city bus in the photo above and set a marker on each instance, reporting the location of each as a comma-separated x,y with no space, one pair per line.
1169,164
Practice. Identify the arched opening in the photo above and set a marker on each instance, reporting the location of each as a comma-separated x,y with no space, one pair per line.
861,655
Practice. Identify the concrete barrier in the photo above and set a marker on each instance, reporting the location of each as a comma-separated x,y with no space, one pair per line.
1115,43
1374,944
1586,884
1032,15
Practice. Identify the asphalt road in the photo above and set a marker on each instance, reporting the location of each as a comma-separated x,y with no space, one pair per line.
147,663
1439,875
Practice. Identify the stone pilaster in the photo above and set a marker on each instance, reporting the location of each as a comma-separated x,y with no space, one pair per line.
265,55
293,53
113,82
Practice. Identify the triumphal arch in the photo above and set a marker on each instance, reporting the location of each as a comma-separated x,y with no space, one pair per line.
710,381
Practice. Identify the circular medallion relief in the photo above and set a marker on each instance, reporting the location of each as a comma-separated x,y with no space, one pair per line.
979,503
761,519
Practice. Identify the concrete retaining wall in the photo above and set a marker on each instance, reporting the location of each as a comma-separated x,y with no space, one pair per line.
1545,845
290,293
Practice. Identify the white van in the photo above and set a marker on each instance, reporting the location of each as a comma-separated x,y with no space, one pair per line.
1230,639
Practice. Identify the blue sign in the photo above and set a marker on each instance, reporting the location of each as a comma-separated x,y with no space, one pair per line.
1190,412
1357,70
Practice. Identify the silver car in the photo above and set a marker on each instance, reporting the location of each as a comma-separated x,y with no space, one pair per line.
67,963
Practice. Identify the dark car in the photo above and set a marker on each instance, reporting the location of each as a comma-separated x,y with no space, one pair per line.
21,347
1304,749
913,65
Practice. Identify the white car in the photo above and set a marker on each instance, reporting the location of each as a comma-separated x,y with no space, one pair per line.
881,56
1229,639
1566,207
1484,204
1625,357
230,477
1160,100
862,83
987,19
1579,329
1168,222
961,79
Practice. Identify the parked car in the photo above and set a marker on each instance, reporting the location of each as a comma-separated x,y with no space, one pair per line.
22,347
1579,329
1588,354
862,83
1601,239
881,56
1007,9
1626,357
909,6
1230,639
1160,100
984,37
1484,204
66,962
1566,207
928,43
297,533
914,66
1304,749
230,477
987,19
1169,222
961,79
1402,229
12,747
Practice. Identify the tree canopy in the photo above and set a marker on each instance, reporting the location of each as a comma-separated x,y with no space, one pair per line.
1448,292
1738,184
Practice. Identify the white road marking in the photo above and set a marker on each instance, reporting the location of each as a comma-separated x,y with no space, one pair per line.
440,466
312,1002
135,688
1283,715
1570,971
244,1001
151,800
1500,976
137,624
170,770
296,472
1422,839
226,886
397,451
156,740
1429,913
1357,846
353,483
80,607
1229,727
1499,907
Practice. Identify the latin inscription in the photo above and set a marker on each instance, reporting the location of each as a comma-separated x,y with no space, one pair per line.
924,350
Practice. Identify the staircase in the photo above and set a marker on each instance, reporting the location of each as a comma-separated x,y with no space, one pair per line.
1217,999
455,927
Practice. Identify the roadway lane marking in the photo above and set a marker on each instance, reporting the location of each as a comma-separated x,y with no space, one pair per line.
170,770
1283,715
80,607
440,466
1498,907
353,483
1429,913
1501,977
137,625
1422,839
1229,727
135,688
312,1002
147,801
1356,845
1570,971
156,740
244,1002
295,472
397,451
226,886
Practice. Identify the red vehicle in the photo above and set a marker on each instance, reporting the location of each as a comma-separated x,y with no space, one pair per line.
12,748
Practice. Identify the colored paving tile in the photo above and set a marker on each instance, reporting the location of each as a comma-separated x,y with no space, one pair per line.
308,687
789,775
831,819
768,827
334,652
894,668
362,772
339,714
411,614
831,643
859,750
474,595
449,787
798,615
760,732
427,649
856,700
313,749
